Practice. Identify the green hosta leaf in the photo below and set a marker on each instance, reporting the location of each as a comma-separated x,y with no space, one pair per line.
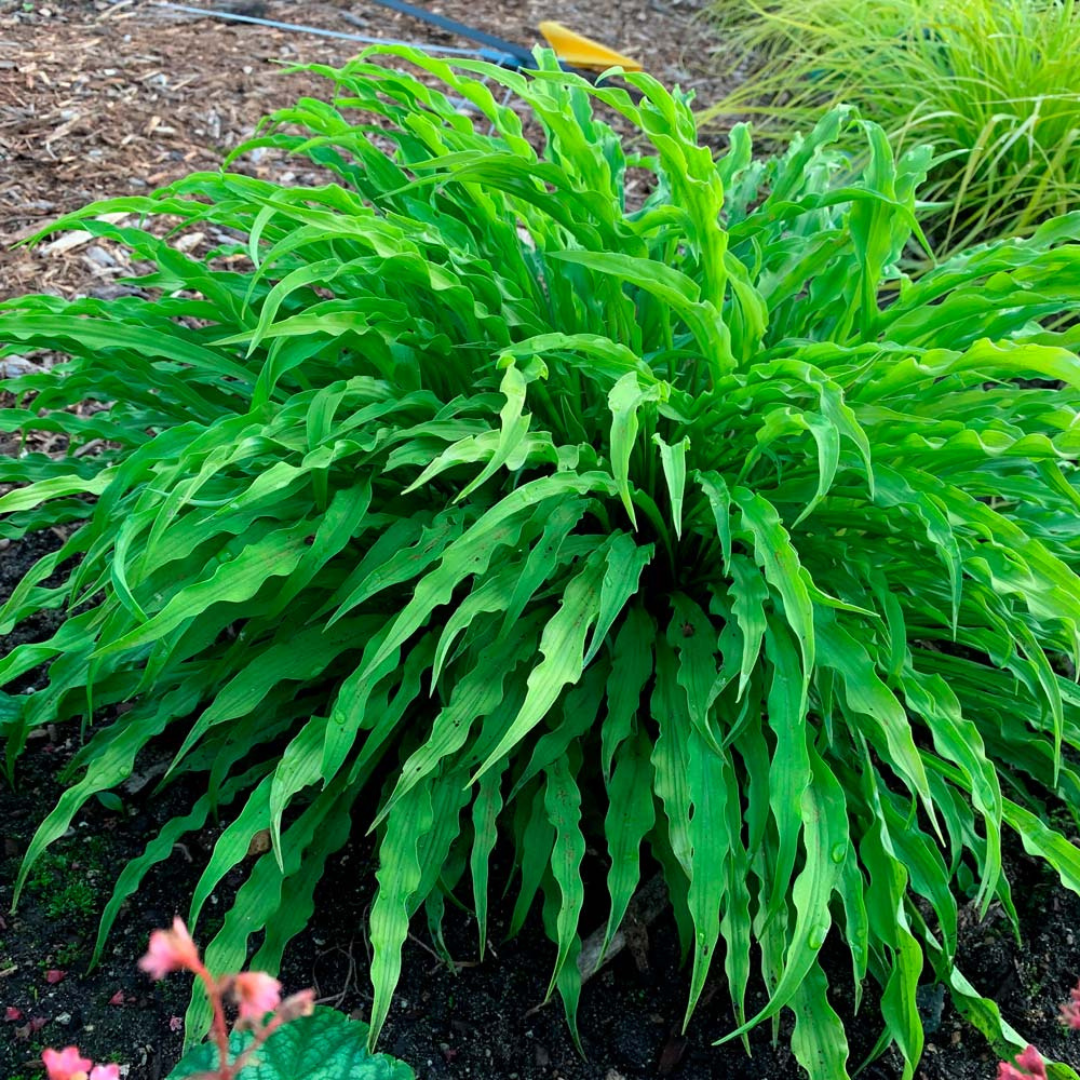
158,850
514,427
562,800
544,555
889,922
735,924
709,853
486,808
232,845
594,353
399,877
476,695
790,770
716,490
258,903
670,756
869,697
631,668
780,561
405,563
54,488
673,459
579,708
959,741
749,593
825,834
625,399
630,816
818,1041
234,581
534,842
692,635
324,1046
563,648
622,581
472,552
111,760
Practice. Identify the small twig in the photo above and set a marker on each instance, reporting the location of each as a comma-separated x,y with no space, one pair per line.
457,965
94,444
644,909
647,905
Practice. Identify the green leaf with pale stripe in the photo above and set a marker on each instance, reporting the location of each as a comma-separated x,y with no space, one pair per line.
399,877
563,649
629,818
485,814
562,800
710,846
673,461
631,667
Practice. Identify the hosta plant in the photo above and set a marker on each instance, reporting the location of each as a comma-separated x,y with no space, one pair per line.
603,495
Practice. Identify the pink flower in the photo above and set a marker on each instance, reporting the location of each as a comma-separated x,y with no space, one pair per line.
170,950
1032,1061
1070,1011
67,1064
117,998
176,1023
54,975
12,1014
257,994
1032,1066
105,1072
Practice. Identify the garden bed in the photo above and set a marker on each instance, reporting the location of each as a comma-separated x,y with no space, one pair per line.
478,1020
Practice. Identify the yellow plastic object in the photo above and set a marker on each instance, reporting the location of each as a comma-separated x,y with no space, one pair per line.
583,52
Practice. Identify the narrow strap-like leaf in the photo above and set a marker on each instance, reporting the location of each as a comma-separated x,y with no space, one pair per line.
631,668
485,814
670,756
563,649
562,801
399,876
710,847
673,462
630,816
